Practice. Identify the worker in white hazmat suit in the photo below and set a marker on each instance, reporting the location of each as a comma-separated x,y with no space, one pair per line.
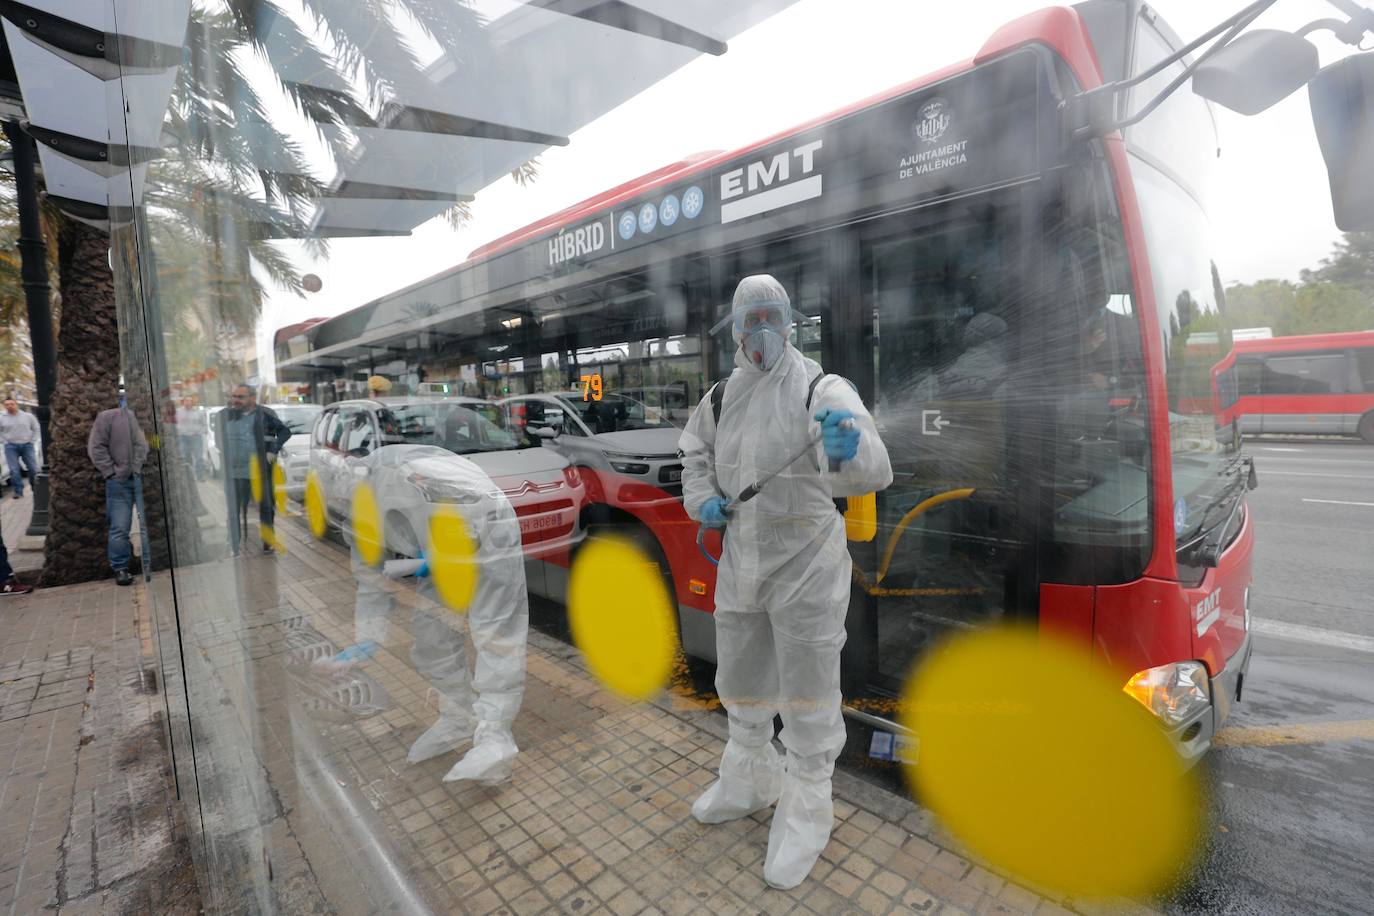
782,589
481,706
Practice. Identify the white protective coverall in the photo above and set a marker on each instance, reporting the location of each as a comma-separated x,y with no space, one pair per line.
480,706
782,591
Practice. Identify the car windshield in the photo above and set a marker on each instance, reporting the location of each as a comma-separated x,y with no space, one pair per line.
298,417
459,428
615,413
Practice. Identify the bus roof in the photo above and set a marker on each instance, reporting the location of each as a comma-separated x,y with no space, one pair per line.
1058,27
1335,341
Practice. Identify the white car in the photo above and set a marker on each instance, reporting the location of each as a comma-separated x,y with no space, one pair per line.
295,454
405,450
622,439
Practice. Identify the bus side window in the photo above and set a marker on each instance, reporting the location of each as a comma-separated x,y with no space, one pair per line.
1364,359
1247,377
1317,373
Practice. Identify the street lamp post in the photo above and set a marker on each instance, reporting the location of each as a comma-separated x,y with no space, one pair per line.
34,272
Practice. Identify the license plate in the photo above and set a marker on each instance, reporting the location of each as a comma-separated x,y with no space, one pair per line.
539,522
674,475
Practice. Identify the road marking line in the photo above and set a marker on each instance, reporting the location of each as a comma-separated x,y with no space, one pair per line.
1263,470
1336,502
1321,637
1278,448
1298,733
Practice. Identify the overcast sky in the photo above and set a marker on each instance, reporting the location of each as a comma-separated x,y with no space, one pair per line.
1271,209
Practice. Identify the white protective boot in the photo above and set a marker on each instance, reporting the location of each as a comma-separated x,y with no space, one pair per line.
750,780
489,761
453,728
802,822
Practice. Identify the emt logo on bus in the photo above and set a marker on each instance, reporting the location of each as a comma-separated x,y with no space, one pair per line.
575,243
752,183
1207,611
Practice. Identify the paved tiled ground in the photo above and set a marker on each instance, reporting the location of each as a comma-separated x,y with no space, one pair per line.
86,814
310,775
300,798
14,521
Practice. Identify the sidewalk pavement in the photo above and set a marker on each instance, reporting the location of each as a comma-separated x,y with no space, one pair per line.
88,821
14,521
309,805
595,819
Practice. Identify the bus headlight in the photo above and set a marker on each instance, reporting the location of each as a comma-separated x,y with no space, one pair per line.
1175,693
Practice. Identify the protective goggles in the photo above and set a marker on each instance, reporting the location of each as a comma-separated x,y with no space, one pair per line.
748,318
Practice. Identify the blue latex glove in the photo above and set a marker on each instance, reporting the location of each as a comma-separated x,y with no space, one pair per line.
424,567
713,512
841,443
357,652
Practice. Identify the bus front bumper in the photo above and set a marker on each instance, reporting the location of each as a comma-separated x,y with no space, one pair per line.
1193,738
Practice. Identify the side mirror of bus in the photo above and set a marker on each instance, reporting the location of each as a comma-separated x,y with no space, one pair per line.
1256,70
1342,98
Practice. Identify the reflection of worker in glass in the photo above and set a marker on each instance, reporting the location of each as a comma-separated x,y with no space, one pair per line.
479,708
783,586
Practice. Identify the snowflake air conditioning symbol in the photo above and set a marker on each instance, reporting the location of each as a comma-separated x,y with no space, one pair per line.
693,199
934,121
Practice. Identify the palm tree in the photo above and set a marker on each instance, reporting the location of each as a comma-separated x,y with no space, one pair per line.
191,267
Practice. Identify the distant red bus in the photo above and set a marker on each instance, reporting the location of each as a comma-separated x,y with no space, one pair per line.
1312,384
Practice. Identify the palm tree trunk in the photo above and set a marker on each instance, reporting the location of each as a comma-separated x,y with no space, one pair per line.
88,368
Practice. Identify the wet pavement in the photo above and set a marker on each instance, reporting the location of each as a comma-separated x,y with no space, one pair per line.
1292,782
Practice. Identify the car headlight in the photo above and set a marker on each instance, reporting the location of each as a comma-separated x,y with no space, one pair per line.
1175,692
445,491
628,464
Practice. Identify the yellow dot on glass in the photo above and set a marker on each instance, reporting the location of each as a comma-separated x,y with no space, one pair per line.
269,537
1042,765
621,617
314,505
255,479
452,559
279,487
367,525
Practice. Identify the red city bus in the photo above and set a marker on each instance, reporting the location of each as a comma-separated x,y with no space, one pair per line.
1012,295
1308,384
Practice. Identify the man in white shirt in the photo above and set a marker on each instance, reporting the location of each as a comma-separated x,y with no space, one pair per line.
19,432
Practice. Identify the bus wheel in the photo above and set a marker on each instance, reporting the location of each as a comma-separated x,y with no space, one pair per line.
1366,427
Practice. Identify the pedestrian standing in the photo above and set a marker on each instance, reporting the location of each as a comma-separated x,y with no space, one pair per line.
19,431
191,429
250,435
118,449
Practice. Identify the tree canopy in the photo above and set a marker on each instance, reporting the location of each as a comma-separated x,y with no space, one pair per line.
1337,295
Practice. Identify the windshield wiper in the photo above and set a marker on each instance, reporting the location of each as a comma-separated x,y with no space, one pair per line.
1211,540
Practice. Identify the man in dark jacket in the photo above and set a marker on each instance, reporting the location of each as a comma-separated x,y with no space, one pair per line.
118,448
250,436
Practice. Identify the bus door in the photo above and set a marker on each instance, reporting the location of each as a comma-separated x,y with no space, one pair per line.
939,292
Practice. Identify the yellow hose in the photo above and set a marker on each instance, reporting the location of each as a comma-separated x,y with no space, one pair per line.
932,502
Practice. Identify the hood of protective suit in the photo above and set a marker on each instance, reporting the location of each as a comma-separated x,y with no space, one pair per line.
761,343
